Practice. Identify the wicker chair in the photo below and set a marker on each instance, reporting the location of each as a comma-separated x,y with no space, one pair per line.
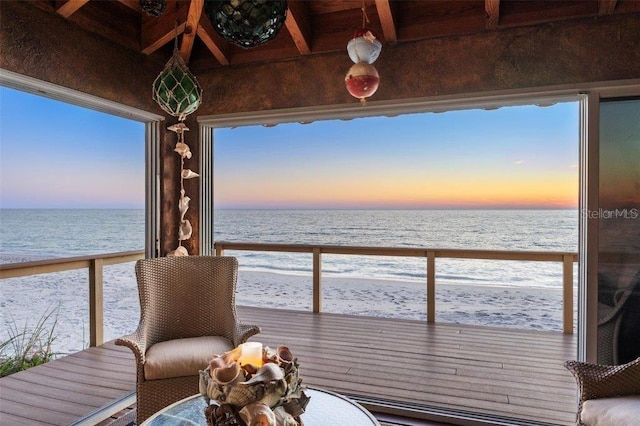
608,394
619,324
187,314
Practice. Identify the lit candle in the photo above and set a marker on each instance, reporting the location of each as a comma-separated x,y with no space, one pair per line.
251,354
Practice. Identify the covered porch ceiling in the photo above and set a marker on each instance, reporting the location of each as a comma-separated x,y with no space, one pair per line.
314,26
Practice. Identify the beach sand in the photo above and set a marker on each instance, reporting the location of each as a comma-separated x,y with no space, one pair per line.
24,300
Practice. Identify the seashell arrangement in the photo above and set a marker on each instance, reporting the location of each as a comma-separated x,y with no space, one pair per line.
246,394
184,230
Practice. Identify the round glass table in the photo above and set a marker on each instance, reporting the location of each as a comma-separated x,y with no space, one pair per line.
325,408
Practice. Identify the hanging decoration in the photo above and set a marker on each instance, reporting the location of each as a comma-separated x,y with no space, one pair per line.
246,23
362,79
178,93
153,7
184,230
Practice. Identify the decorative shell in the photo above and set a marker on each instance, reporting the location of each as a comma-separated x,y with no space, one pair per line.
179,251
184,233
258,414
178,128
266,373
183,149
183,206
189,174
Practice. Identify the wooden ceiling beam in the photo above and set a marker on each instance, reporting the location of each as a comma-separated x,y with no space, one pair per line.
606,7
298,25
216,44
492,14
159,31
191,28
386,21
132,4
69,7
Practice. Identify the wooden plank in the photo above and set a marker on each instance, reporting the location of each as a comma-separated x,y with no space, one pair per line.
96,303
606,7
162,30
298,25
218,47
492,12
69,7
386,21
449,366
191,28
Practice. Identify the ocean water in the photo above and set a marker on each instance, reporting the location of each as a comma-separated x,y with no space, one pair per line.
40,234
519,230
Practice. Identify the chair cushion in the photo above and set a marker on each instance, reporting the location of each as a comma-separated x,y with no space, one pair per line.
182,357
620,411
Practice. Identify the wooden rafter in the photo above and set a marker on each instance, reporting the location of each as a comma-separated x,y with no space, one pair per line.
492,14
298,26
70,7
132,4
606,7
216,45
386,20
159,31
191,28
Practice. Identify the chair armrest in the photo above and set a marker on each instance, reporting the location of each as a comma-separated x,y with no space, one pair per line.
137,343
603,381
242,332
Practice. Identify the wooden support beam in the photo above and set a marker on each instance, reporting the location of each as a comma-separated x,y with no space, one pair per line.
606,7
191,28
160,31
492,14
132,4
386,21
298,25
216,44
70,7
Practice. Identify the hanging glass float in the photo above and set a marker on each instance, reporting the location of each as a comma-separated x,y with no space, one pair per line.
364,46
246,23
362,81
175,89
153,7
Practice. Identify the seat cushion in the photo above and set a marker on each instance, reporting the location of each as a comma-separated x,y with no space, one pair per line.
182,357
619,411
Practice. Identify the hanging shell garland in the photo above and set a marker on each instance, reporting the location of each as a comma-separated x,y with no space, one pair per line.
185,230
270,395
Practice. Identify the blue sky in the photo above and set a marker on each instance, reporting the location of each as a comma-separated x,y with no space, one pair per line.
55,155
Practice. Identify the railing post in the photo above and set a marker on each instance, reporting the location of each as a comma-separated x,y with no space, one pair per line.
317,284
431,286
96,303
219,250
567,293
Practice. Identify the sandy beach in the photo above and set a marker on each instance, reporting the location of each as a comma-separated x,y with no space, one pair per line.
23,300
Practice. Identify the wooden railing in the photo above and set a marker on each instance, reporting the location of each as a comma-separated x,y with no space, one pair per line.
567,259
94,264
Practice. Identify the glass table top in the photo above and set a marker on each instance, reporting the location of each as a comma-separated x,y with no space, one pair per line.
325,408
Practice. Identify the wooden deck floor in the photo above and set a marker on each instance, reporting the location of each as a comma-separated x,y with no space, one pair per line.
492,371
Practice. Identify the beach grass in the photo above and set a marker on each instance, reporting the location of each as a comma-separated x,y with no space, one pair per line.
28,346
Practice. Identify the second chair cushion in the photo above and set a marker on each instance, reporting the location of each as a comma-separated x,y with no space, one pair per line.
182,357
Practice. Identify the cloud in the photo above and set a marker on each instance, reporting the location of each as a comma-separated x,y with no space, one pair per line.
518,162
573,166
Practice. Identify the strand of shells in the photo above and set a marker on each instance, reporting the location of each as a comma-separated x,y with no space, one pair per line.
185,229
270,395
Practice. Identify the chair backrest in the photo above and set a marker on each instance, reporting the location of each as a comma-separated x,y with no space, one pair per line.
187,296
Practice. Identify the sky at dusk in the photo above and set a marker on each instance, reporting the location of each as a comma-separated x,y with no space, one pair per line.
55,155
513,157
